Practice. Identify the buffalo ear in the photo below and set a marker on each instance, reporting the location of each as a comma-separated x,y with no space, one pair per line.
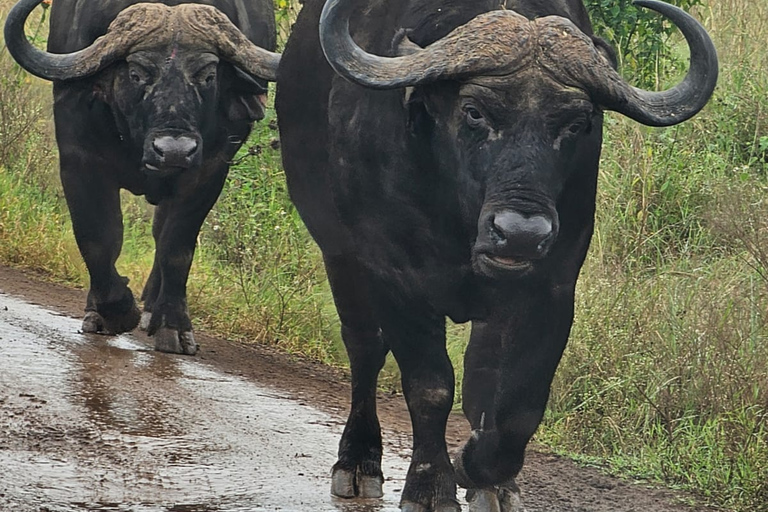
607,51
103,85
413,103
244,99
245,108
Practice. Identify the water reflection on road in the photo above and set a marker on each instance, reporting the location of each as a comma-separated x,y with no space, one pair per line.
94,423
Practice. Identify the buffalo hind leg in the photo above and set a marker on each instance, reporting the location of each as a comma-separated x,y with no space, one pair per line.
94,207
152,286
417,340
358,469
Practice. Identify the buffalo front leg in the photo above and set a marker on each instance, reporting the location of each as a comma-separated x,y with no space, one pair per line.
417,340
481,377
176,226
93,200
358,469
528,342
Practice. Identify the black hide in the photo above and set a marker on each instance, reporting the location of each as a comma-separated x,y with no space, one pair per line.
163,123
462,199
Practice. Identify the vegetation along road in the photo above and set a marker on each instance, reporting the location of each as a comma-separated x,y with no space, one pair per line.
665,378
104,423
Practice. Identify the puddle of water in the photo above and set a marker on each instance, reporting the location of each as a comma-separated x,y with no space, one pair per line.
94,423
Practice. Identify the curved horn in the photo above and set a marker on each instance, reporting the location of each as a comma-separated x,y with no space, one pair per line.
231,44
675,105
135,27
491,43
125,31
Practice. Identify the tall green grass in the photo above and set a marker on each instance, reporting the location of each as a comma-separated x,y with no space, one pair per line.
256,275
666,373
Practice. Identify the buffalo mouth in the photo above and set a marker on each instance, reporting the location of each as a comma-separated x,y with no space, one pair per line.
493,265
162,170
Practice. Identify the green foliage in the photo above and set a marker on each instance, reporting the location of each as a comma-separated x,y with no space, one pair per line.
666,373
255,249
640,36
285,14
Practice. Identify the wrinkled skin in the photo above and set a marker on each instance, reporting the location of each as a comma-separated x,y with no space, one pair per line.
472,199
164,122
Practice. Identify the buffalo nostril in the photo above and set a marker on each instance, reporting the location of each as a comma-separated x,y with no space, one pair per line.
158,147
175,150
528,236
191,147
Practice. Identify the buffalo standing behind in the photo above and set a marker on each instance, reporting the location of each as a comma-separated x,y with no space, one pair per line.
155,99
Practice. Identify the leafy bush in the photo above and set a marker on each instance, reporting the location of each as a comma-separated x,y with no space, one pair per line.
666,373
640,36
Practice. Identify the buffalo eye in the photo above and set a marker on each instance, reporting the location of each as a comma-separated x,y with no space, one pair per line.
474,117
209,78
581,124
206,77
137,75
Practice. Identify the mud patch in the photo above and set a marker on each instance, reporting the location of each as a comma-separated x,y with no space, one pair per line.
93,423
100,423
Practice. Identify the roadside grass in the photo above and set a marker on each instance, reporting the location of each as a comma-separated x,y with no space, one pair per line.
666,374
256,275
259,276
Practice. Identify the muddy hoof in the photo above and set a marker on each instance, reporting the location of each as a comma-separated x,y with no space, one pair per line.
510,498
113,317
169,340
348,484
502,499
92,322
409,506
146,317
483,500
343,483
370,487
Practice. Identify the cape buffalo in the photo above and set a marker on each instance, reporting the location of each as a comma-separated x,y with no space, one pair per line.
155,99
446,163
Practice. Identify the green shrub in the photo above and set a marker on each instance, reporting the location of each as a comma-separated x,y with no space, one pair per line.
666,373
640,36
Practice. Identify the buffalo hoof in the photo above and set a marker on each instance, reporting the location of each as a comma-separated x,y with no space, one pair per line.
504,498
146,317
483,500
93,322
171,341
510,499
449,506
348,484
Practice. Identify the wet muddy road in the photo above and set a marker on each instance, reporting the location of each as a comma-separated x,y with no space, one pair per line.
101,423
96,423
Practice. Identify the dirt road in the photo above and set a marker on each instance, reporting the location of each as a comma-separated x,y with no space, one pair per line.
96,423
